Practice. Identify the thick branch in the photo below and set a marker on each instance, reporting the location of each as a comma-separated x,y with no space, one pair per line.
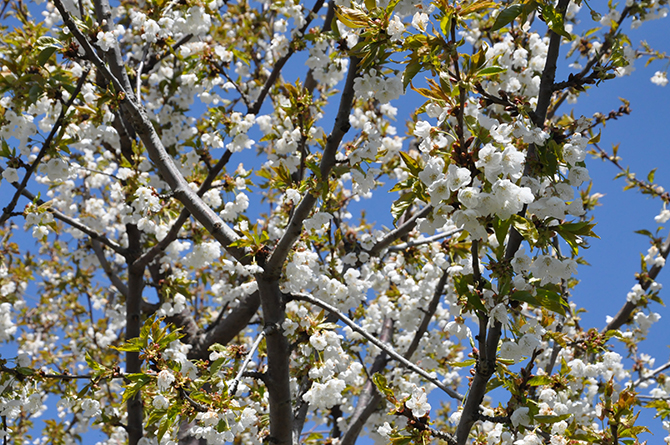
278,353
157,152
133,325
275,262
206,185
103,12
226,329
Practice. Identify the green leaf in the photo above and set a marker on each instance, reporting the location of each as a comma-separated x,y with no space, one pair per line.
490,71
571,232
133,345
539,380
45,55
400,440
137,382
24,371
551,300
554,20
525,228
507,16
524,296
411,163
411,70
370,4
463,364
353,18
650,176
216,366
401,205
92,363
552,419
475,301
445,24
382,385
34,93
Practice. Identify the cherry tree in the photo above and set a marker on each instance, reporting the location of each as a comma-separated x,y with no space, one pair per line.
200,270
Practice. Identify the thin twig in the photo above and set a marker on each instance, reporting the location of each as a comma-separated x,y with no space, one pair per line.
233,386
276,70
627,309
652,374
45,147
107,268
381,345
138,81
72,222
398,232
421,241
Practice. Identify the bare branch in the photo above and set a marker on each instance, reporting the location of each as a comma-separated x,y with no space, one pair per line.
422,241
227,328
107,268
652,374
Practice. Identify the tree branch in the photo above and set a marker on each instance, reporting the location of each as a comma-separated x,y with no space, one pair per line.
627,309
107,268
276,70
172,234
7,211
422,241
133,324
278,379
484,370
232,389
383,346
340,128
369,398
399,232
157,152
226,329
